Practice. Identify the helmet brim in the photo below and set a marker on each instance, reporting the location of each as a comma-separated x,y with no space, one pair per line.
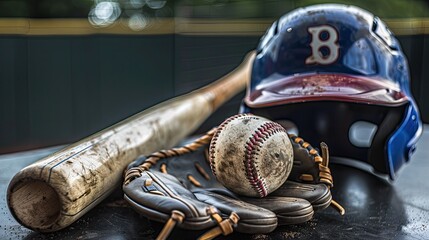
325,87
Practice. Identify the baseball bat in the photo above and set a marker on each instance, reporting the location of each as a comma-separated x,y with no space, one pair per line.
55,191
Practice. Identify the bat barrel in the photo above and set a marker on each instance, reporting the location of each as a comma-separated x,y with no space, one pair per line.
35,204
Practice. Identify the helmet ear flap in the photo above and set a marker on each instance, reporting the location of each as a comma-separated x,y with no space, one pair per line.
377,153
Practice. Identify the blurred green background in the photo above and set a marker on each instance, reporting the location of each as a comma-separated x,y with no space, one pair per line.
205,8
71,68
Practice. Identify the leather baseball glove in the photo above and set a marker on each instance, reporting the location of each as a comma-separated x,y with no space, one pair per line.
177,187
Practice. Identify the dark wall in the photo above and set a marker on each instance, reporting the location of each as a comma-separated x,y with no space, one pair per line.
416,49
56,90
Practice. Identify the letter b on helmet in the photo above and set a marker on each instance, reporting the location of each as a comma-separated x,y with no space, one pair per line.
317,44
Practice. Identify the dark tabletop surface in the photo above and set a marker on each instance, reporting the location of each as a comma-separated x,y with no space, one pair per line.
375,208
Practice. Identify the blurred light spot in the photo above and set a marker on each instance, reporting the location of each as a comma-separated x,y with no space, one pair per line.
104,14
156,4
138,22
104,10
137,3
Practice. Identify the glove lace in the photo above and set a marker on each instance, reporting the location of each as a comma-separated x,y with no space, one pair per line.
225,226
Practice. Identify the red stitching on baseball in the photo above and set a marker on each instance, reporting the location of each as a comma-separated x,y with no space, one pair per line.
252,147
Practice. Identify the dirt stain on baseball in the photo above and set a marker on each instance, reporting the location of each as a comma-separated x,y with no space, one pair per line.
245,121
277,160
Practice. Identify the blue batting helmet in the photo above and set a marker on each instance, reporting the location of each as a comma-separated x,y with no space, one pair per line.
337,74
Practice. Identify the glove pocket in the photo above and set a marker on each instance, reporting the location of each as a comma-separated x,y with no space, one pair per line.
160,197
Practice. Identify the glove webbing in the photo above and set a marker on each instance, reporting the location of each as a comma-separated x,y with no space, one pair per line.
153,158
324,171
225,226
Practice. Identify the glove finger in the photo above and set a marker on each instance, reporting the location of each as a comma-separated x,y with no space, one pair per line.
253,219
318,195
288,210
156,196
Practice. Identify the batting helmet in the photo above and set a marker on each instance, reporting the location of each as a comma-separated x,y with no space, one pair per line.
337,74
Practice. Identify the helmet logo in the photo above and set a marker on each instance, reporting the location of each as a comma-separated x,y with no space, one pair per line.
319,44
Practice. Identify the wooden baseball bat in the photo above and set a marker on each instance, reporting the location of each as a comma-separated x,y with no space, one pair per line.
55,191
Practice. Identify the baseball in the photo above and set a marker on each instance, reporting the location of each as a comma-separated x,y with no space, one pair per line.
251,155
